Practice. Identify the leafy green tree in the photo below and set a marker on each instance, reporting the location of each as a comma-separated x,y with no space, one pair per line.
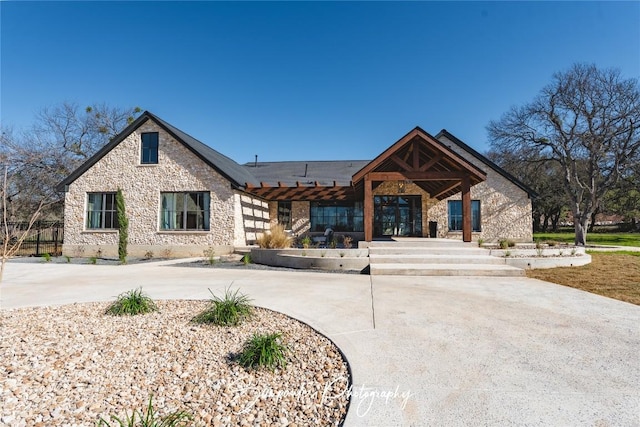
587,121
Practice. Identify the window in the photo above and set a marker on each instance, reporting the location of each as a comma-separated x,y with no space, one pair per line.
101,211
455,215
284,214
184,211
149,151
340,216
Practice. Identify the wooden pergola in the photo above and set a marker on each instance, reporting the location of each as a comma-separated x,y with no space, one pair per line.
420,158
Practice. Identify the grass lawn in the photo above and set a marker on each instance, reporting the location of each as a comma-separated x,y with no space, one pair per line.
611,274
616,239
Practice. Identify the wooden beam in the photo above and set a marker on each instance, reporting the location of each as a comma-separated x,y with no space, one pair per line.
368,209
416,156
444,189
404,165
417,176
431,162
466,210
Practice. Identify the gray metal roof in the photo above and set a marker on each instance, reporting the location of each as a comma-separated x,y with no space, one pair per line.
236,174
305,172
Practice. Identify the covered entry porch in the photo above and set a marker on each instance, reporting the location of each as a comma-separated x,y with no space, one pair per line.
417,161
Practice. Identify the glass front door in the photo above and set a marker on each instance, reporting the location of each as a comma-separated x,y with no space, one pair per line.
397,216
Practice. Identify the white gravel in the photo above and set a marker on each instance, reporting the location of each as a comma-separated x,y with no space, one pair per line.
71,365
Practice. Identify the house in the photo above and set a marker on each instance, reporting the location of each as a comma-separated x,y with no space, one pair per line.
183,197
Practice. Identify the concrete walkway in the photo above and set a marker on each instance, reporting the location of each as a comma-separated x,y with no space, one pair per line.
424,350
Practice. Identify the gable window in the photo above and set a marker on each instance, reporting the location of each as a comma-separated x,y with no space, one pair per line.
149,148
101,211
340,216
185,211
455,215
284,214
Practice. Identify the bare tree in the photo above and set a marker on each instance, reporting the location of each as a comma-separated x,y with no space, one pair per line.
62,137
587,120
13,237
544,177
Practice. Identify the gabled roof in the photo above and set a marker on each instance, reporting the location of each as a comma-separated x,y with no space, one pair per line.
236,174
429,163
486,161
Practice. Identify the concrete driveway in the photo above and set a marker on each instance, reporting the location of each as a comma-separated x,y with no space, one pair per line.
424,351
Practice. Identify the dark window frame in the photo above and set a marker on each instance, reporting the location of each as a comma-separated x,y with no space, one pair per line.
185,217
454,220
339,216
284,214
149,143
103,218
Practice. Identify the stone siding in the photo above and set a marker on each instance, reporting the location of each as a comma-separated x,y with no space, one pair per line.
505,209
178,170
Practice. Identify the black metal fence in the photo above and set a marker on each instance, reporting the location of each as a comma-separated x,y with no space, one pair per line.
44,237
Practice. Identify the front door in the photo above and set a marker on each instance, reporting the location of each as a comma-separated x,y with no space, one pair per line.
397,216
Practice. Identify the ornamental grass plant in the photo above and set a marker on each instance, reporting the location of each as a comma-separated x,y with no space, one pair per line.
131,303
230,310
276,238
264,351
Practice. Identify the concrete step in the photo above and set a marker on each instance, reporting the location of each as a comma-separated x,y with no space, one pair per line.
421,243
445,270
428,258
451,251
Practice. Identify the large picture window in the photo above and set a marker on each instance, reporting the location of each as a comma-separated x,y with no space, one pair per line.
185,211
149,148
455,215
101,211
340,216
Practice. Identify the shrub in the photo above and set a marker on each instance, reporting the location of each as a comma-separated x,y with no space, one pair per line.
47,257
123,227
93,260
246,259
505,243
211,255
148,255
264,350
149,418
276,238
68,258
306,242
229,310
480,242
131,303
347,241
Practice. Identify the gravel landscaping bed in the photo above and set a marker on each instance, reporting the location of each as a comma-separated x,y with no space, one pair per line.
70,365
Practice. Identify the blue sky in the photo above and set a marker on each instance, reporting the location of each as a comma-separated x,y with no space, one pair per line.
305,80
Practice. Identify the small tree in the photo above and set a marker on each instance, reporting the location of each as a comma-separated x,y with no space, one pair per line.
12,237
123,227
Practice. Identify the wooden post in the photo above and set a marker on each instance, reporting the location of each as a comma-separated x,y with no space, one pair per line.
466,209
368,209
